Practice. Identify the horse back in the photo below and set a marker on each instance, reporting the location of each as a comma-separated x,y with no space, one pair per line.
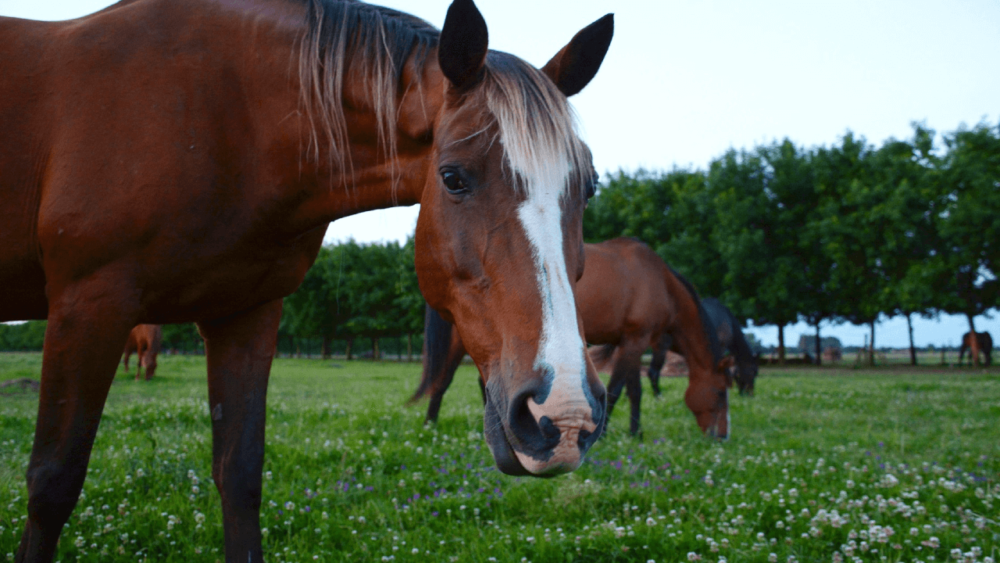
622,291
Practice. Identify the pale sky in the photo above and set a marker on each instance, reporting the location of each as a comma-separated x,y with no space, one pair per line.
686,80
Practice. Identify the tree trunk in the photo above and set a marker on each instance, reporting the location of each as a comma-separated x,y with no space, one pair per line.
350,342
326,347
913,349
375,353
819,347
781,345
974,344
409,346
871,350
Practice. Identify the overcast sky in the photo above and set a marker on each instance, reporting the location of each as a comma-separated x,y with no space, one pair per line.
686,80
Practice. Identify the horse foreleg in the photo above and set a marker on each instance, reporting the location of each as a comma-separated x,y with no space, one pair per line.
626,373
455,354
633,386
239,350
83,344
656,366
139,359
149,362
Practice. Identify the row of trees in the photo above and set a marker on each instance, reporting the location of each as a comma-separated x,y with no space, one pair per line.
352,292
844,233
356,291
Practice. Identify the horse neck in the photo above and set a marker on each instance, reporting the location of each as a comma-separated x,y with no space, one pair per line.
349,159
689,328
741,347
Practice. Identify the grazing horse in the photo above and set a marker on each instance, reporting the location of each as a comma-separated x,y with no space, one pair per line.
166,161
731,338
983,341
144,340
629,300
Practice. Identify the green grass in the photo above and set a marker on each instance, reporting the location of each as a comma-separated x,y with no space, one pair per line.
823,465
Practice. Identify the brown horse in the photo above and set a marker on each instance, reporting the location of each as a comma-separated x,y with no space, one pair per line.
629,300
983,341
167,161
144,341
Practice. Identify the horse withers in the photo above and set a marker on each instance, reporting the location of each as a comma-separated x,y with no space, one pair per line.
166,161
983,341
144,341
731,338
629,300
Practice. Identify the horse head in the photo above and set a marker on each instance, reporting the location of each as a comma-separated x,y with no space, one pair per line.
707,396
499,242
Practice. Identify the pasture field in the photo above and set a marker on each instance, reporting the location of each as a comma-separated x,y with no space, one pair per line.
823,465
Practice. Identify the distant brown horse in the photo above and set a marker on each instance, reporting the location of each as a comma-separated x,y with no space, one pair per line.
629,300
144,341
166,161
983,341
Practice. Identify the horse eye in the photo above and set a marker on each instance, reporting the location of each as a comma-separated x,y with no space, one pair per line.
453,182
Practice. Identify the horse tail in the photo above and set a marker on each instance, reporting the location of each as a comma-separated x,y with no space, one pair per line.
437,344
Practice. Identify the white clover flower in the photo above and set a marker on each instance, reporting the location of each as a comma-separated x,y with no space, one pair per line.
650,521
289,505
692,556
79,541
772,557
268,475
264,532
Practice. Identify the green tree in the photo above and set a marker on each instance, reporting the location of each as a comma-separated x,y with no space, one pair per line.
969,224
756,235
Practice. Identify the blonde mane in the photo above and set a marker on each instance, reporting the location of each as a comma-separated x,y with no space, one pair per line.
341,33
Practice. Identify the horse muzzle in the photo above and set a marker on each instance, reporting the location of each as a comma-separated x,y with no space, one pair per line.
543,439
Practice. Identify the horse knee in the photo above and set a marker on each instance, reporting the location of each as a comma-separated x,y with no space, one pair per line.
52,495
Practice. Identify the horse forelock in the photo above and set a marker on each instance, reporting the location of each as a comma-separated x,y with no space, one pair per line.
339,33
537,127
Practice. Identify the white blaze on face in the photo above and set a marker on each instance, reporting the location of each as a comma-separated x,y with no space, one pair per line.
538,133
560,350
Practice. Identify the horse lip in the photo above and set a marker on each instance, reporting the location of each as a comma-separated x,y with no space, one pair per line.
496,439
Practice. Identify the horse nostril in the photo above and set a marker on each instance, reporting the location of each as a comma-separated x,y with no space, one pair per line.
532,435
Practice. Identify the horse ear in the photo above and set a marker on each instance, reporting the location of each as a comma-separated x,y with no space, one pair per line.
463,44
576,64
